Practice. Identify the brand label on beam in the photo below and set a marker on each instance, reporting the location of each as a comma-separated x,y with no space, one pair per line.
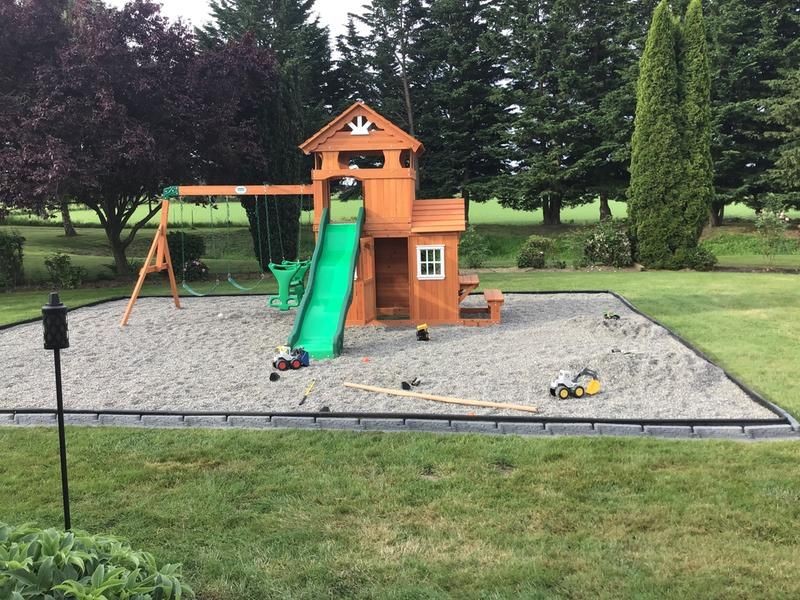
241,189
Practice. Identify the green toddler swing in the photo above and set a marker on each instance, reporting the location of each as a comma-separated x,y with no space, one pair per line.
290,274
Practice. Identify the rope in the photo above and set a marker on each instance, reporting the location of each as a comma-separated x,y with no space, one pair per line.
184,283
299,225
260,241
260,245
280,235
269,232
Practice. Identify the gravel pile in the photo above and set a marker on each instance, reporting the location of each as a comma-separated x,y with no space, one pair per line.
214,355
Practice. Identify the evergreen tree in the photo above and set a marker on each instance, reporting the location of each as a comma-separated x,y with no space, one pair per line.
784,111
351,74
570,65
657,163
752,42
302,49
698,183
462,118
392,28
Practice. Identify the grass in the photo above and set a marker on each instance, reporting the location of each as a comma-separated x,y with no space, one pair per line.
229,249
348,515
490,212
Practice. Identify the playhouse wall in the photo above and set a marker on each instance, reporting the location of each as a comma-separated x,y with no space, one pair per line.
387,206
435,300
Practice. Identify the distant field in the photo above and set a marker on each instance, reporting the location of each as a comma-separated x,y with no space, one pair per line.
487,213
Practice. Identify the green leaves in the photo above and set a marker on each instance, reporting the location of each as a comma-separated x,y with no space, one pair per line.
52,565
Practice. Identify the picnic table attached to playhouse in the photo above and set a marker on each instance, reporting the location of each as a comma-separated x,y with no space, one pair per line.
398,263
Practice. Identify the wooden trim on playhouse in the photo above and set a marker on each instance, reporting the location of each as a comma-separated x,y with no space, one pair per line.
319,139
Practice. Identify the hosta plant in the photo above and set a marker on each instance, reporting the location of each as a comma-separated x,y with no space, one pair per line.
46,564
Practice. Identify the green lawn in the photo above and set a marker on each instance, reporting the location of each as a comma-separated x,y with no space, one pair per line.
401,516
480,213
229,248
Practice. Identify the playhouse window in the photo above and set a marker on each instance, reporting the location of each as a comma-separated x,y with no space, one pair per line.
430,262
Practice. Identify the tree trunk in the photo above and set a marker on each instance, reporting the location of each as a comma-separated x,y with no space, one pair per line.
551,210
66,219
465,194
605,209
118,248
717,214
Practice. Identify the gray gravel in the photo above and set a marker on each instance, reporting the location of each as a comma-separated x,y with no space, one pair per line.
215,355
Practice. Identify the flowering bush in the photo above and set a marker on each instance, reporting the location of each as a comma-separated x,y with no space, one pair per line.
534,252
608,245
195,270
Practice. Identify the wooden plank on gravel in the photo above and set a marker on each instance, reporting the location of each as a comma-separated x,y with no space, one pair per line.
447,399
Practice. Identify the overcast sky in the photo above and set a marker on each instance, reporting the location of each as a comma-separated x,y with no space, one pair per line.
333,13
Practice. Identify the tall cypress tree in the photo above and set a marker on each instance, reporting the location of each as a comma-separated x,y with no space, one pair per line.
698,184
656,147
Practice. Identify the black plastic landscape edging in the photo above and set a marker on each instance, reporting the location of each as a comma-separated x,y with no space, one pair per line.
783,416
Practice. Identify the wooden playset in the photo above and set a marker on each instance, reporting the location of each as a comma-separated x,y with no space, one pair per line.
397,263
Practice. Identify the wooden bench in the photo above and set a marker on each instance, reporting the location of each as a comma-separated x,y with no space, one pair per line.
494,298
466,283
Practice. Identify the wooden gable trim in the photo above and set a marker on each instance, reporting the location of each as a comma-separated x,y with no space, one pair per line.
316,141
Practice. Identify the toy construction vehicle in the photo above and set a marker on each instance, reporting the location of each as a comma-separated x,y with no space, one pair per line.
566,385
288,358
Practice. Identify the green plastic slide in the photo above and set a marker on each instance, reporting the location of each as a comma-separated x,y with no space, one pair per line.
319,326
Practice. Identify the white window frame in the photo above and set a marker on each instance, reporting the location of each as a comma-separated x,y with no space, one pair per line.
420,261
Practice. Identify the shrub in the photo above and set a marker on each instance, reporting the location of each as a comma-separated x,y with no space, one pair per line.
193,270
185,246
11,271
473,249
46,563
701,259
608,244
534,252
62,273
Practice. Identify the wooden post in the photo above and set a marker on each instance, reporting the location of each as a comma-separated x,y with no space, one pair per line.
163,262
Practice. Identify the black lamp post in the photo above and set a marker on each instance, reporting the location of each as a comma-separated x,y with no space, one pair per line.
56,337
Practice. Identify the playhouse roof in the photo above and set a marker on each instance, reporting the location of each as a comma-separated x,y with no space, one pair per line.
372,132
438,216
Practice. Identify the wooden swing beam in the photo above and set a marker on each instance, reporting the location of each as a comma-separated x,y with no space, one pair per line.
243,190
159,249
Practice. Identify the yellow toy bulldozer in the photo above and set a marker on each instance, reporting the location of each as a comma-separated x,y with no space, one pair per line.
565,385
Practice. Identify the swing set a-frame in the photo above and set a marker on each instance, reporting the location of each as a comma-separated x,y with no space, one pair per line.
288,273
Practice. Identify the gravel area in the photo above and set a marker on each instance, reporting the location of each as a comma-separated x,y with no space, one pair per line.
215,355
